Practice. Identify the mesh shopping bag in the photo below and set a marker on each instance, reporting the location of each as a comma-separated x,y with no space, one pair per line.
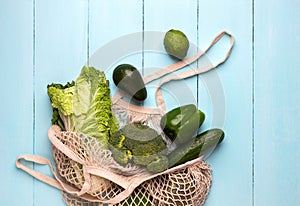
87,173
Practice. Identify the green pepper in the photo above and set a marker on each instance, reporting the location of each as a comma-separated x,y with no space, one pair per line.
182,123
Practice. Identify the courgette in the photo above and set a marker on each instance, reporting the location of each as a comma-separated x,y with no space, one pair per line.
203,144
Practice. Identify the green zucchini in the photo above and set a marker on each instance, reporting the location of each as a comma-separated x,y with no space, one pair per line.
203,144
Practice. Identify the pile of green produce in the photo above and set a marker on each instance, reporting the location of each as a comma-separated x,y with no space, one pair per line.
84,106
141,145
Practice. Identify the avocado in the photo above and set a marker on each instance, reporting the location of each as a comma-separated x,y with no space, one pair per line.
127,78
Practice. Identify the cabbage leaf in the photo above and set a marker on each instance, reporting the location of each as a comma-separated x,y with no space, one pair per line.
92,105
84,106
61,98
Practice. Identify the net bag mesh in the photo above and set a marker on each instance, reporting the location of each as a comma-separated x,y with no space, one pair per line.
187,185
113,184
130,184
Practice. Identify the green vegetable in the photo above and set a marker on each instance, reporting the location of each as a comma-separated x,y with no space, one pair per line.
182,123
141,145
121,155
84,106
127,78
61,98
203,144
159,165
176,43
92,105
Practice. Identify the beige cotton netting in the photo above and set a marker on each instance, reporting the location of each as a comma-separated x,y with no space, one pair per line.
87,174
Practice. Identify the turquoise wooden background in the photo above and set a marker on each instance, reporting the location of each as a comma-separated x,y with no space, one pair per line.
49,41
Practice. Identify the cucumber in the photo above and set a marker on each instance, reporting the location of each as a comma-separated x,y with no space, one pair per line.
203,144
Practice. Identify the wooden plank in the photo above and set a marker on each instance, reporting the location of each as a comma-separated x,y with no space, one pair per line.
232,161
61,51
160,17
16,25
115,35
276,100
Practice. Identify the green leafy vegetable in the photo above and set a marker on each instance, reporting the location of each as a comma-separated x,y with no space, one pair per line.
84,106
61,98
92,105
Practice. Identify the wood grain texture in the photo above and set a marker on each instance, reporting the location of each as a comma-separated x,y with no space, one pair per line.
232,161
61,51
253,96
277,97
16,110
115,35
160,17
